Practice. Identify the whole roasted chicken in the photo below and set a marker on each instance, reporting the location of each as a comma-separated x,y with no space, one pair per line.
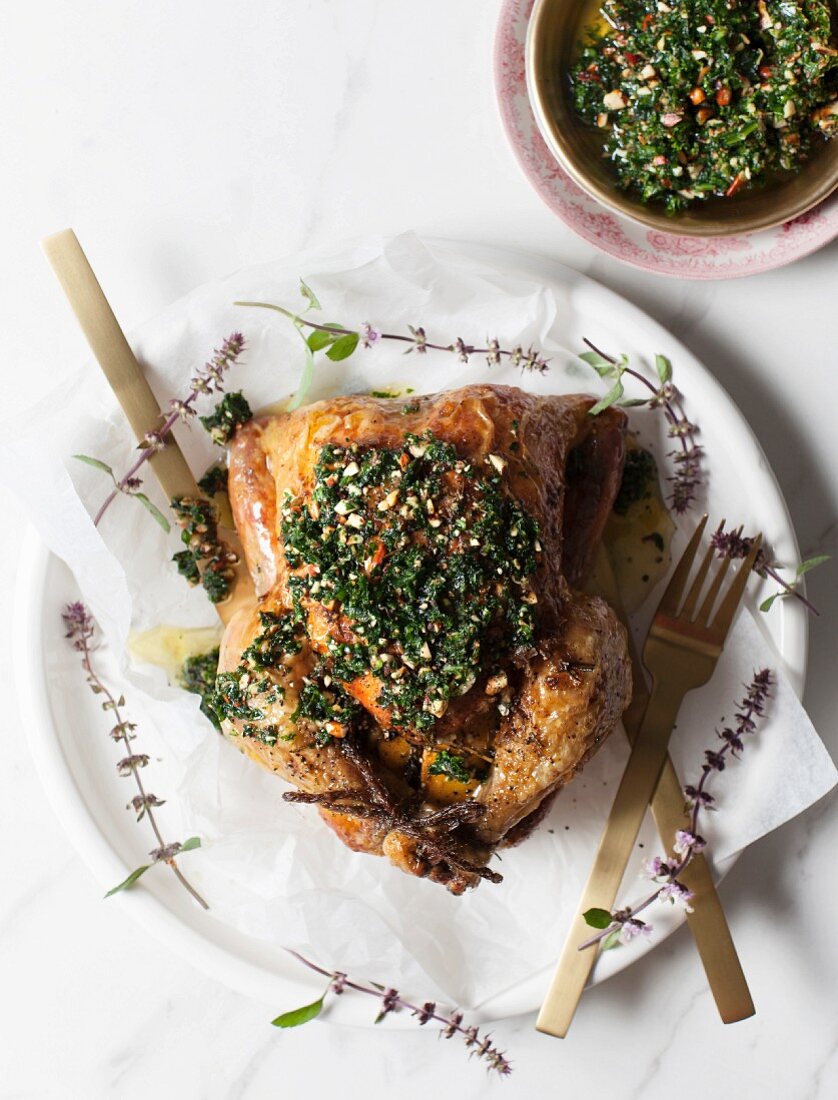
419,664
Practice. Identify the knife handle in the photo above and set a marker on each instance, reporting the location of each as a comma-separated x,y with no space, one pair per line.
125,375
707,921
114,355
633,795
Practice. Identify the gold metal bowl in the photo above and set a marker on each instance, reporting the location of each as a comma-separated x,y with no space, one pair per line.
555,31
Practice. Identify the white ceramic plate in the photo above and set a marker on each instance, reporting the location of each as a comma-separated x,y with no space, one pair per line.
76,765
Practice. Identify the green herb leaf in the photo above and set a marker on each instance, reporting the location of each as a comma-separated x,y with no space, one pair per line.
664,368
190,844
766,605
127,883
611,940
810,563
740,135
603,367
613,395
598,918
298,1016
153,510
99,465
318,339
633,402
343,347
309,295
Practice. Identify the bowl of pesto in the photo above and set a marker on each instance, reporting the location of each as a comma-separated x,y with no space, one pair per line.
701,117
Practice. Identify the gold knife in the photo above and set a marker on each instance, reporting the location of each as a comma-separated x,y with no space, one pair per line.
119,365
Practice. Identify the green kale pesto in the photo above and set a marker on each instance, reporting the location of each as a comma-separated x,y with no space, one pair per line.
703,97
639,475
198,676
451,765
324,704
214,480
228,416
240,695
206,560
427,561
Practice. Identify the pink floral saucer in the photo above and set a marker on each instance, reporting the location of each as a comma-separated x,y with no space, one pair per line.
663,253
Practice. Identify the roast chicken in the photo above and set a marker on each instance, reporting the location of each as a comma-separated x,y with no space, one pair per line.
420,664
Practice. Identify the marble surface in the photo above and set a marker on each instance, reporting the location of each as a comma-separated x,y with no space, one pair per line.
182,141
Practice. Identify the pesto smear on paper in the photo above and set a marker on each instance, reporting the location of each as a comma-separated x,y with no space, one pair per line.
705,97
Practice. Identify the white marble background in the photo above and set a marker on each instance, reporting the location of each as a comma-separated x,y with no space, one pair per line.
183,140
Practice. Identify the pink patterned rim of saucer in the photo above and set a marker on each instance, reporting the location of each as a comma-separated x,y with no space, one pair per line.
663,253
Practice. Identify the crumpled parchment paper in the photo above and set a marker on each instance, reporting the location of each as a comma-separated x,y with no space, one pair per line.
271,869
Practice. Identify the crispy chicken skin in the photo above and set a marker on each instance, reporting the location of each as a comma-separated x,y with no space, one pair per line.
564,696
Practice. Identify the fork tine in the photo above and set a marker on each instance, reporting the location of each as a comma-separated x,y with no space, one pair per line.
696,586
727,608
674,590
706,609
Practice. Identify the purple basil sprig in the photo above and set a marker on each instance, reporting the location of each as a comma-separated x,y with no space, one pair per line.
81,630
339,342
733,544
208,379
390,1000
623,925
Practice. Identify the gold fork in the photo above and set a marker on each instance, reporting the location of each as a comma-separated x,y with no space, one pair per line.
707,920
681,652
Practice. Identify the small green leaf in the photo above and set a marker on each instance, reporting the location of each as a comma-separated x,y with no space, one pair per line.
598,918
603,367
633,402
613,395
664,368
153,510
309,295
298,1016
306,378
766,605
319,339
190,844
343,347
95,462
611,940
811,563
127,883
